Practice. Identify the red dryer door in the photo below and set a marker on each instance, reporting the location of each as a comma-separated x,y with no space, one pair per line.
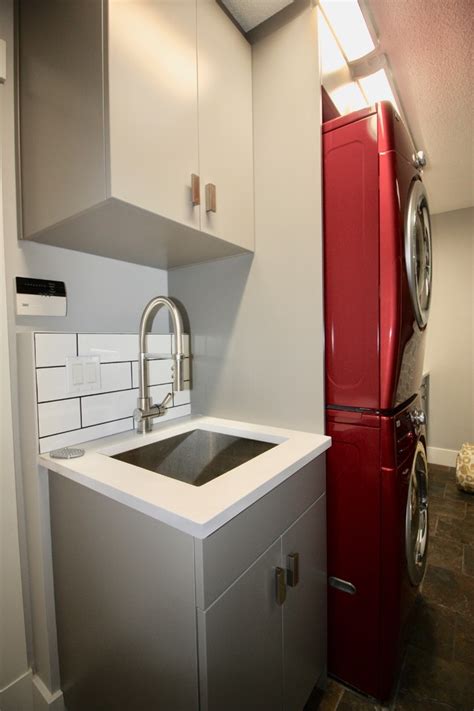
353,515
351,264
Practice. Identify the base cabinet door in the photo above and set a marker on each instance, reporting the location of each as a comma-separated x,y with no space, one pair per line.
304,610
240,642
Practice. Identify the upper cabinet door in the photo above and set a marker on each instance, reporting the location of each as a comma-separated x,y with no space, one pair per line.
225,126
153,105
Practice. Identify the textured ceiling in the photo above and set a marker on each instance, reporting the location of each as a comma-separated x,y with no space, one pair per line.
429,44
250,13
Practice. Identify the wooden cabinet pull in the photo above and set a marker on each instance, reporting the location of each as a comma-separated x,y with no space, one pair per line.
293,570
211,202
280,586
195,190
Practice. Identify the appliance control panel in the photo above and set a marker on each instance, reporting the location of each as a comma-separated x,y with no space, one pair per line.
40,297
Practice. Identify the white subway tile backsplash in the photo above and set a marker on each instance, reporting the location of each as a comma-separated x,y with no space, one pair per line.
183,397
58,416
159,371
111,406
158,343
52,382
109,346
65,419
159,392
87,433
115,376
53,348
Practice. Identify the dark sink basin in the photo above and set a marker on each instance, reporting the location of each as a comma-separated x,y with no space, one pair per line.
195,457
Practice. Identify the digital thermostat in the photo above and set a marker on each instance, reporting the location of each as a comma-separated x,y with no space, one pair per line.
40,297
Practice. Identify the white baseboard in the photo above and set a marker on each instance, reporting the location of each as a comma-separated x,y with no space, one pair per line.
18,696
43,699
444,457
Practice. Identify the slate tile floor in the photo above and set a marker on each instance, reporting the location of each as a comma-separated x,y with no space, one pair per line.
437,673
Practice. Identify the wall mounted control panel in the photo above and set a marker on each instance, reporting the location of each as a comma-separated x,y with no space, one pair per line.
40,297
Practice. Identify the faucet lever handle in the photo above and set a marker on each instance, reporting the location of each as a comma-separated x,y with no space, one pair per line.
157,356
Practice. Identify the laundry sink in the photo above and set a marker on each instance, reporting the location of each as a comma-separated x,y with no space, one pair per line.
195,457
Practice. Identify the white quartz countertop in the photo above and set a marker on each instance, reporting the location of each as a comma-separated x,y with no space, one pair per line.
201,510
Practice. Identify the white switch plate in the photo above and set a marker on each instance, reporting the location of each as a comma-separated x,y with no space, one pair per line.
83,374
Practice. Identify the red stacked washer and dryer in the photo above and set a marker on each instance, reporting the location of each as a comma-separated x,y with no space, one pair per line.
377,294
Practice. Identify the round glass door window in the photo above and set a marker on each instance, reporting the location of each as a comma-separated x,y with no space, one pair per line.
418,255
416,522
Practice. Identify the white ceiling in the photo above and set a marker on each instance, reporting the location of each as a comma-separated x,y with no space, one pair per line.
429,44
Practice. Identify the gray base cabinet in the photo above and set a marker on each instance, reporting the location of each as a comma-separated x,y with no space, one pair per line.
149,617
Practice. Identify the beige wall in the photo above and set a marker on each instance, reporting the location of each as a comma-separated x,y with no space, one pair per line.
450,341
103,295
13,646
257,324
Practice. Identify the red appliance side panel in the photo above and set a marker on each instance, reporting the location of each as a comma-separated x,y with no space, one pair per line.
351,264
393,136
353,510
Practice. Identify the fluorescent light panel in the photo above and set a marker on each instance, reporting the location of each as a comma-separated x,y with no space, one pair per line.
348,23
332,59
376,87
348,98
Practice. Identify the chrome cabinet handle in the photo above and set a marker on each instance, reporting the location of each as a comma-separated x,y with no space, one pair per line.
211,202
293,570
195,190
280,585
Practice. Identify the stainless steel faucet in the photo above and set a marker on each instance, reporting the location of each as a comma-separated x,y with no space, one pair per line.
146,411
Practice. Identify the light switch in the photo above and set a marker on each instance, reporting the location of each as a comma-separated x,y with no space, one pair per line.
83,374
77,373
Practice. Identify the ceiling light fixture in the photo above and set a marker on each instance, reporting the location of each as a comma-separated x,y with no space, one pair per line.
376,87
349,26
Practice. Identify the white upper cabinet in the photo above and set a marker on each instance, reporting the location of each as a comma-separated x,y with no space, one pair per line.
153,105
225,126
131,100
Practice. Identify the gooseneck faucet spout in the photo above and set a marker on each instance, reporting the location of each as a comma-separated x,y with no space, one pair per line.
146,411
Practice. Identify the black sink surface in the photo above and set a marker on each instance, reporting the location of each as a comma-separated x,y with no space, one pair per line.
195,457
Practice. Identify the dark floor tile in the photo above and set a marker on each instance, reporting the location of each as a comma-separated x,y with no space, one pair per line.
452,492
433,520
407,702
447,508
461,531
464,642
468,562
437,487
437,473
326,700
432,679
450,589
445,552
432,629
353,702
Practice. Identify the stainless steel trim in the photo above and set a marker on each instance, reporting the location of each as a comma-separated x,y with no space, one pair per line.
418,252
416,518
418,417
280,585
195,190
343,585
293,570
145,411
211,199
